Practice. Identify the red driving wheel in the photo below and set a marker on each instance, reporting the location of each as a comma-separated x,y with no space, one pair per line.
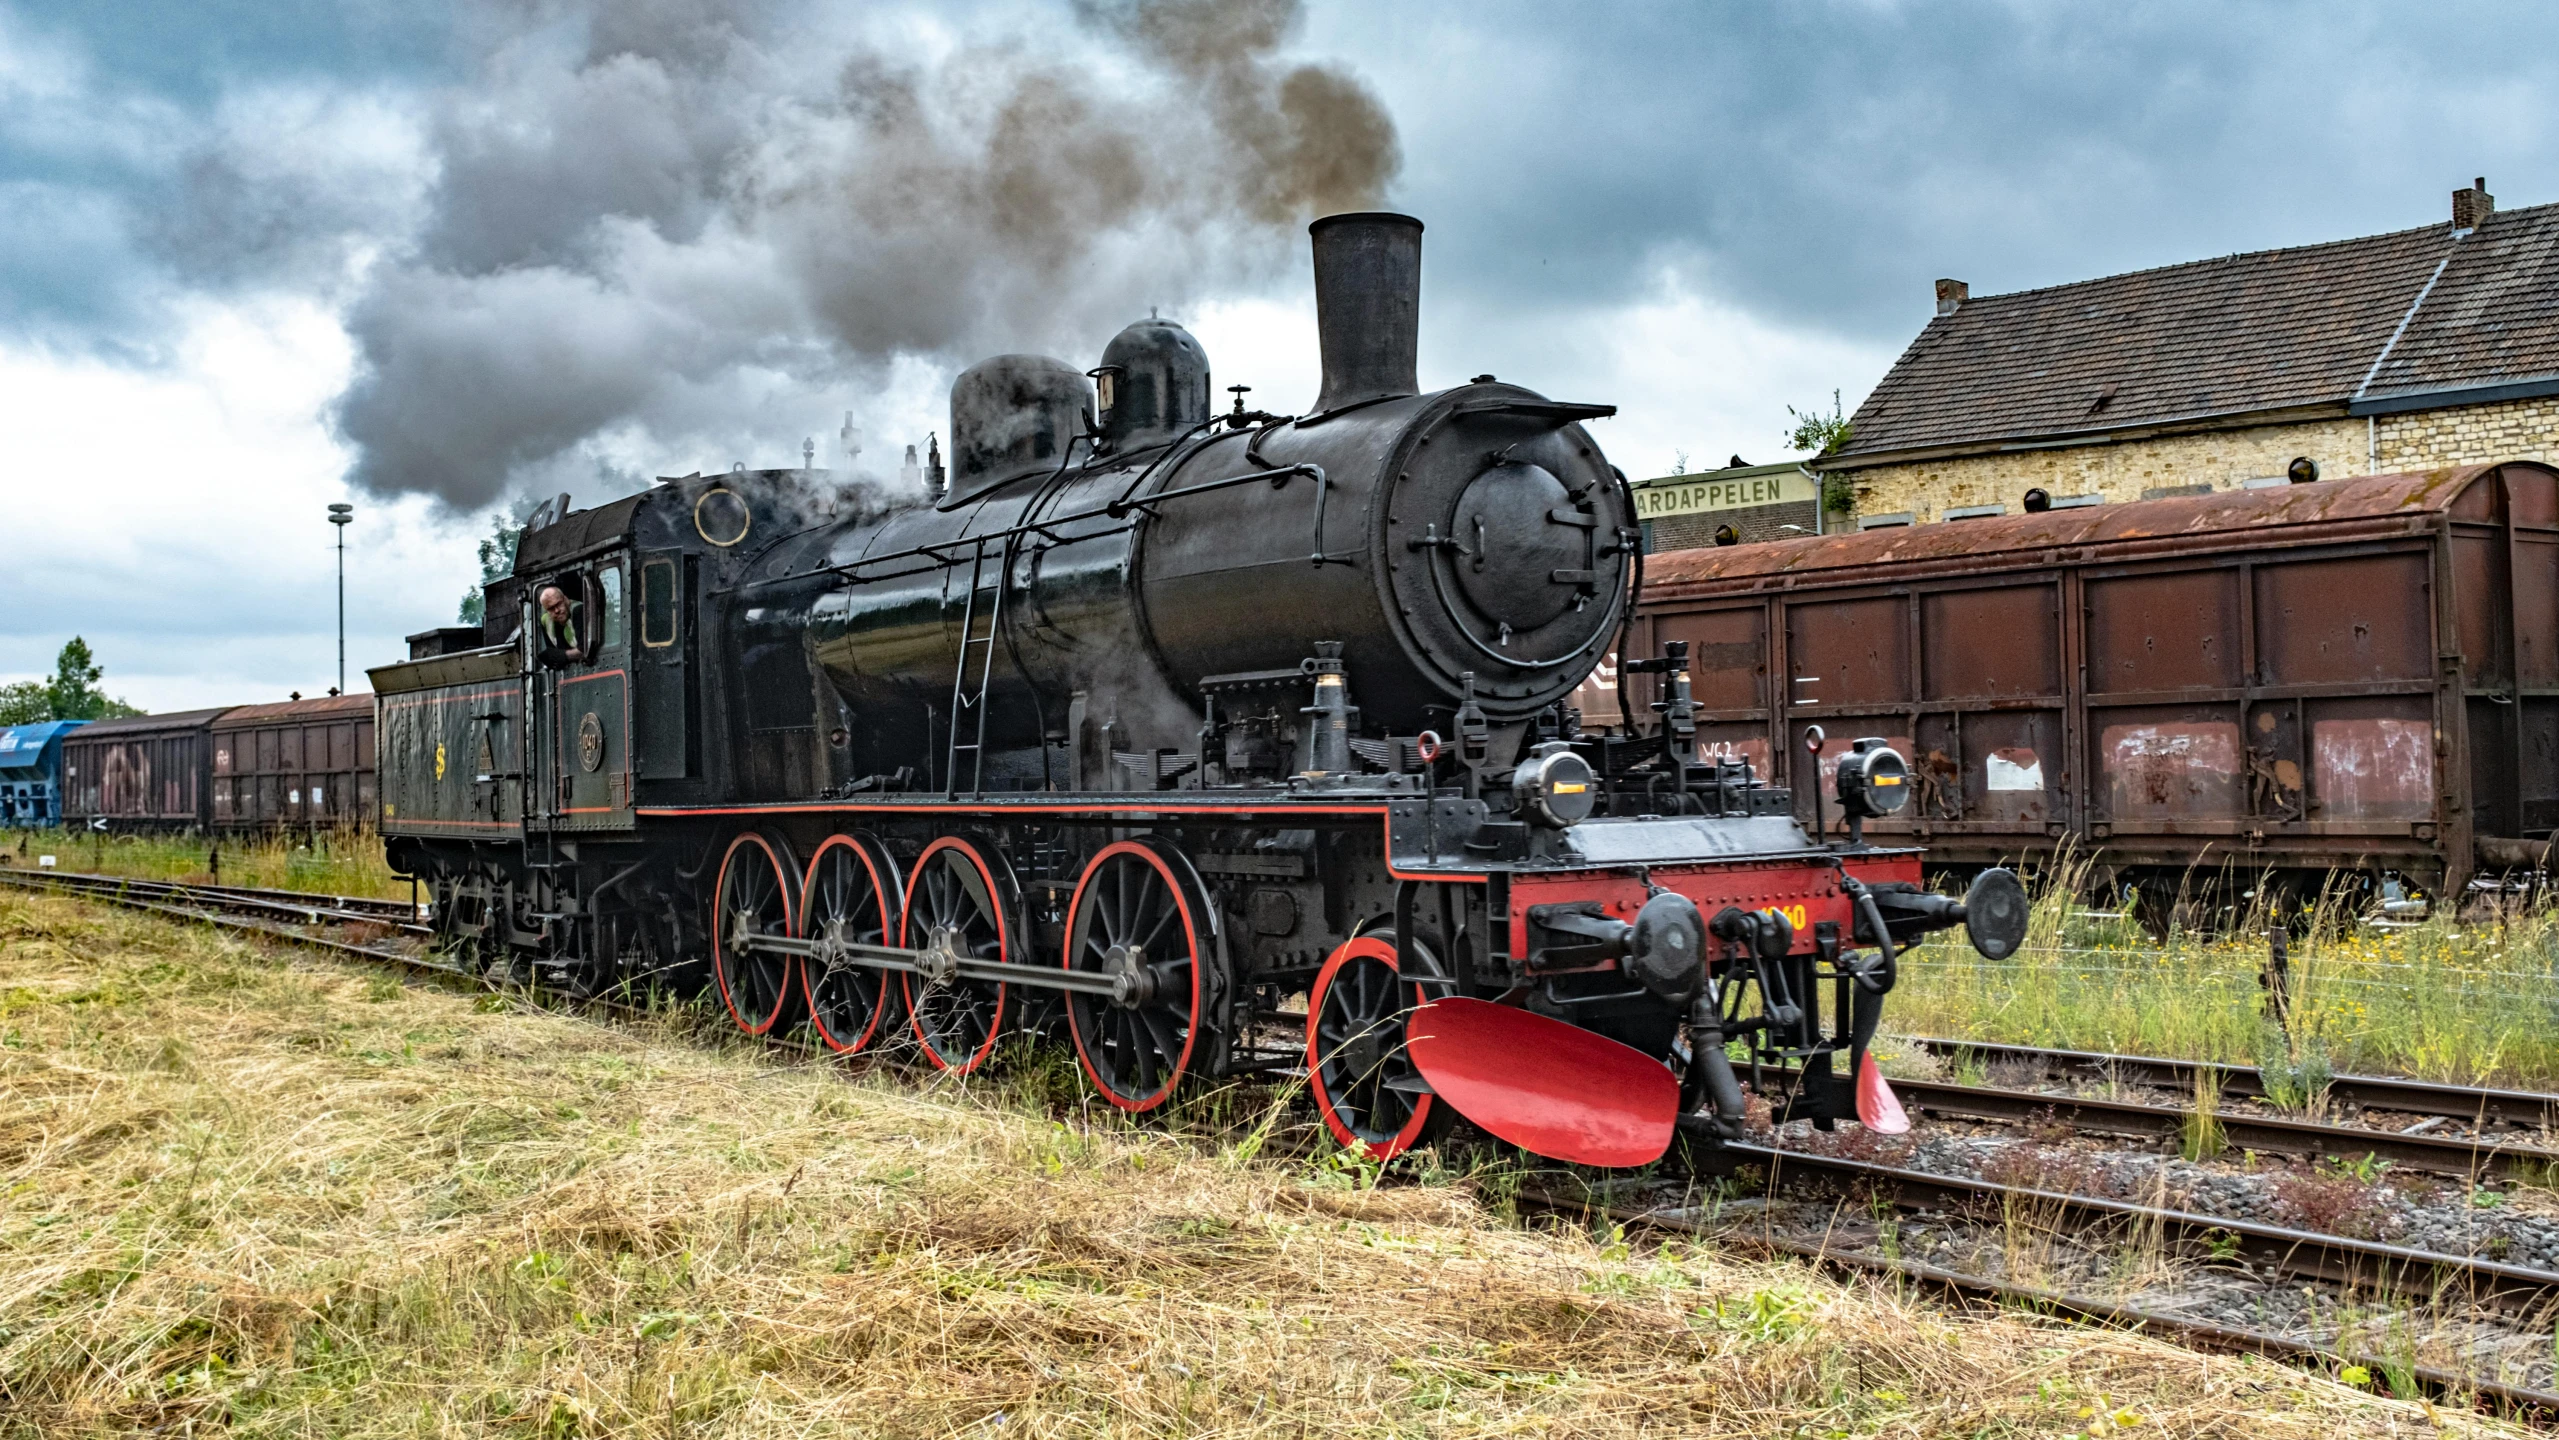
1138,917
849,897
956,907
755,896
1364,1082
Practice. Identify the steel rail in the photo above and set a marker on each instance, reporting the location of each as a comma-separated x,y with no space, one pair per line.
2524,1109
425,964
2307,1254
2434,1154
315,909
2433,1382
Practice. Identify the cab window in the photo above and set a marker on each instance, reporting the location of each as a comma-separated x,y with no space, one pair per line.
657,604
608,579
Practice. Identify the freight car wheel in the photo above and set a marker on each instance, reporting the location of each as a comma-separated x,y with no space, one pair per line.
755,897
1138,917
850,898
1364,1082
957,908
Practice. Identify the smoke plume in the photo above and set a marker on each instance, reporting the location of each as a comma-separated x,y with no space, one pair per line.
661,228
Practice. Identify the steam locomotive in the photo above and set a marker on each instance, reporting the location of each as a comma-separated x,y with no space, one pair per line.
1209,741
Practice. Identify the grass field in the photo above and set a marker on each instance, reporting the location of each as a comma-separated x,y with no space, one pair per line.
335,863
2474,1002
246,1191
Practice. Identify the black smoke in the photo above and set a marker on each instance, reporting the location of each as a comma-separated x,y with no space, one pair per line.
668,226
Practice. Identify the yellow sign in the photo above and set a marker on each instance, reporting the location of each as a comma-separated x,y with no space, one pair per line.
439,759
1691,494
1795,915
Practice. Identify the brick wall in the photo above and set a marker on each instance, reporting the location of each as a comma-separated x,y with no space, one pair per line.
2223,459
1756,522
2468,434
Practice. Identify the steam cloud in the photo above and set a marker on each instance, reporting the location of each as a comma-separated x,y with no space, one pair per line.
669,223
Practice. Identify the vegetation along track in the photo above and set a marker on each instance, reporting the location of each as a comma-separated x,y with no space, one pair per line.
326,921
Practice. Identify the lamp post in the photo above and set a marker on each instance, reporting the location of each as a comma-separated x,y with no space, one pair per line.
341,515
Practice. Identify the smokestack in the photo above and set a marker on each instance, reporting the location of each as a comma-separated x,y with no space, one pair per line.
1368,306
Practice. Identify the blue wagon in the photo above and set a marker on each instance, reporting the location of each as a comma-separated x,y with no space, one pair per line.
31,773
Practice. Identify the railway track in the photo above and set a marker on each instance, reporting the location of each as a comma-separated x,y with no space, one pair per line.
2469,1157
2352,1264
2432,1382
2484,1107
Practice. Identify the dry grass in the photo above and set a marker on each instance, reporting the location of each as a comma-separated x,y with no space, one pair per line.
251,1192
328,862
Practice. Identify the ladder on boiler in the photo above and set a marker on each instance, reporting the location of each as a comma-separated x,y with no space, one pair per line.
969,708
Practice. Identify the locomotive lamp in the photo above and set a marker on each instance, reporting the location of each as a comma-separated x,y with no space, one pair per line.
1874,781
1554,786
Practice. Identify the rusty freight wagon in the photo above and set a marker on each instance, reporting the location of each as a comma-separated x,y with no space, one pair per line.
146,772
295,765
2356,674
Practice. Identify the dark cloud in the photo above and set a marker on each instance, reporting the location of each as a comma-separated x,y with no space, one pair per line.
648,219
1822,162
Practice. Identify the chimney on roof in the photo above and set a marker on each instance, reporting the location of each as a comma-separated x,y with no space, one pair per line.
2472,207
1951,294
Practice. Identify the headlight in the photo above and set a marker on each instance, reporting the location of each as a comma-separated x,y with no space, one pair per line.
1873,780
1554,786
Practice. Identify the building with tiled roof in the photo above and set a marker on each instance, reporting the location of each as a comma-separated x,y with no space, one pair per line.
2406,351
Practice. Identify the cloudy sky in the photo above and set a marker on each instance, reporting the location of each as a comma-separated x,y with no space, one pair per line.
259,257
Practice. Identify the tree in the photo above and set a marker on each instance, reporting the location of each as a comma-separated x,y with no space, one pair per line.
1819,433
25,702
1825,435
74,693
497,561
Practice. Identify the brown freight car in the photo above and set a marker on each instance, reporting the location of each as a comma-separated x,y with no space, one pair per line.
297,765
2356,674
144,772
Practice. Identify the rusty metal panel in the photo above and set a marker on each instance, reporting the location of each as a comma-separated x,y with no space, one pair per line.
2491,729
2372,759
2276,761
2332,621
1736,740
1727,655
2539,787
2536,621
2165,762
1848,652
2480,602
2001,768
2173,630
1992,641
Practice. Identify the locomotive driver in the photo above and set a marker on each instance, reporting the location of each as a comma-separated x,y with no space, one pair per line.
563,636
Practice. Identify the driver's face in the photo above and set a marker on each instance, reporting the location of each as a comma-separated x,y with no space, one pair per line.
555,604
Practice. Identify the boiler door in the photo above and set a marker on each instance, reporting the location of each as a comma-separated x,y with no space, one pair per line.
1515,562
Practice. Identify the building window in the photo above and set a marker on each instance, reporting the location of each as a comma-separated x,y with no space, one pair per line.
1896,520
1973,512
